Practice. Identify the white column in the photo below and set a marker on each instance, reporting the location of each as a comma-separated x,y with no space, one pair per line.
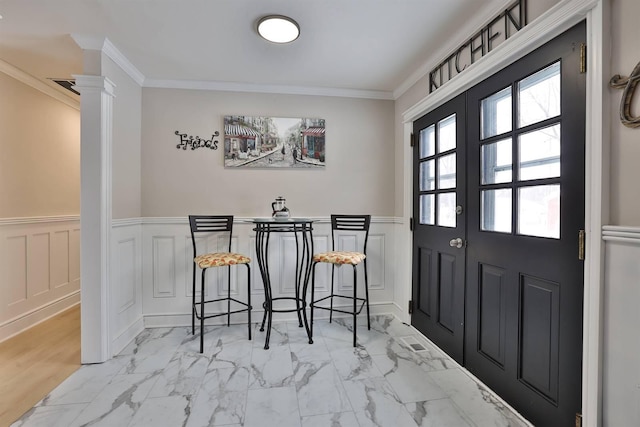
96,112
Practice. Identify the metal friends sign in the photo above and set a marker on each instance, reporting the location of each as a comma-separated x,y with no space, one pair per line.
499,29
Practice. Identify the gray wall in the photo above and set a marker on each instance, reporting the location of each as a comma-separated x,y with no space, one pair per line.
358,177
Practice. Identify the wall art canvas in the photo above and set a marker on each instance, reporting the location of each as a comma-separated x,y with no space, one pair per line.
274,142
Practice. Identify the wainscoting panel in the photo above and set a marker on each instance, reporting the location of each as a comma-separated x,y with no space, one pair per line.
126,319
40,259
621,358
167,265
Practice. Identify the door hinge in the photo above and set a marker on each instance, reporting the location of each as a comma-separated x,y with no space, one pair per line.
581,236
578,420
583,58
410,306
412,140
411,224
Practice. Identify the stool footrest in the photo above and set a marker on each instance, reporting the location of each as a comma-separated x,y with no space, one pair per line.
225,313
362,300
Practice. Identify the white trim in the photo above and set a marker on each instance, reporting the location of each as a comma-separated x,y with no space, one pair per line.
596,211
38,219
551,24
615,233
128,335
103,44
126,222
95,215
263,88
37,84
241,220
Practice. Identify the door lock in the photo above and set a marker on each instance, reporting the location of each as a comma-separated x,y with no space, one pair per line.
456,243
459,210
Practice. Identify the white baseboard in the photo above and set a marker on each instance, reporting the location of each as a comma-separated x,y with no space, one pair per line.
30,319
128,335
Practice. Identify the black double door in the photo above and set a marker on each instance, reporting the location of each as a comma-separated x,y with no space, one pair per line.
498,211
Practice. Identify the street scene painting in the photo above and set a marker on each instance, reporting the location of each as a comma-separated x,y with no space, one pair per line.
273,142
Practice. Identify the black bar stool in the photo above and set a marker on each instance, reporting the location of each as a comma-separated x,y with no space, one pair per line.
358,223
222,225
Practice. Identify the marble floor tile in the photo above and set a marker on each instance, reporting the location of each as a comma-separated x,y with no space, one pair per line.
436,413
221,399
319,388
410,382
50,416
351,363
182,376
375,403
340,419
162,411
118,401
271,368
276,406
161,379
474,400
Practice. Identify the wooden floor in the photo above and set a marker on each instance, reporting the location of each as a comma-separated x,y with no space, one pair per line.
36,361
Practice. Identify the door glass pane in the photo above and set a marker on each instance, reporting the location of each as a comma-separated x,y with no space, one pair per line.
496,162
427,175
447,209
539,153
447,134
539,96
495,210
539,211
495,114
447,171
427,211
427,142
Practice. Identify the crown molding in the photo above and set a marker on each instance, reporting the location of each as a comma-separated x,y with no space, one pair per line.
103,44
37,84
258,88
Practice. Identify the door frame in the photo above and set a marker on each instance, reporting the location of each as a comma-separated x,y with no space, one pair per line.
549,25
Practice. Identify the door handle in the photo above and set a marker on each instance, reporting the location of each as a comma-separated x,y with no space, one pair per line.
456,243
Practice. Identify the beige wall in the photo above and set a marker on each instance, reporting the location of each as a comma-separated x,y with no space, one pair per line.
625,142
126,148
359,156
40,146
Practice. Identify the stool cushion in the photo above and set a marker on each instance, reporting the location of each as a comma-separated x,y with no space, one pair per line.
340,257
220,259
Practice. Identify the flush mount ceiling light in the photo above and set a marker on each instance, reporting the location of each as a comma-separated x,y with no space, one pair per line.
278,29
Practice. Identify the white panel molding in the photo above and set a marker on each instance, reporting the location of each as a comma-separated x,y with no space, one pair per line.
164,272
621,356
175,308
126,320
40,277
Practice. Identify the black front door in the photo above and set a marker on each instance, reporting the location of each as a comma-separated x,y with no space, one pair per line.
439,226
524,191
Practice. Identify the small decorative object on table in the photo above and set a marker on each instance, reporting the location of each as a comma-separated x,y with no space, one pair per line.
279,208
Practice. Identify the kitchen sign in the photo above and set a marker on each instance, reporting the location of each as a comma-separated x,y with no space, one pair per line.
499,29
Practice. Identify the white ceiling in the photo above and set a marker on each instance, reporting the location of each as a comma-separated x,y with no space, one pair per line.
355,45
